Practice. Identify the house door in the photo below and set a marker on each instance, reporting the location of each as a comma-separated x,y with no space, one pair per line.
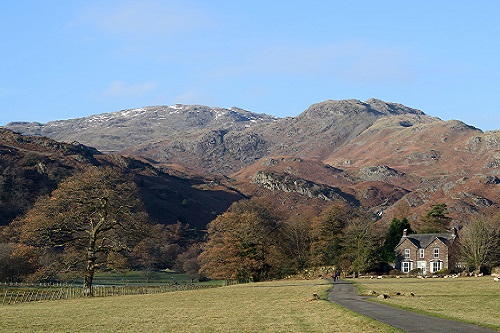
423,266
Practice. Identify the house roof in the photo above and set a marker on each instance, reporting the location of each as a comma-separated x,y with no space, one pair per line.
421,241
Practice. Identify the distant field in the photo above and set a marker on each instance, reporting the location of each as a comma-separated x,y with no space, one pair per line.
105,284
285,306
143,277
472,300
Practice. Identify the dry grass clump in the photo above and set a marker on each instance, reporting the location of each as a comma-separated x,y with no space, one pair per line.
259,307
472,300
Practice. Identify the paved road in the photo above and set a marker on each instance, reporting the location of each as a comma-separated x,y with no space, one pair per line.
344,294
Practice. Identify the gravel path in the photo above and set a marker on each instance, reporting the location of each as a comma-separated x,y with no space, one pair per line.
344,294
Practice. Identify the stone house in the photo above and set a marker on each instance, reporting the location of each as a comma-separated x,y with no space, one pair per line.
429,252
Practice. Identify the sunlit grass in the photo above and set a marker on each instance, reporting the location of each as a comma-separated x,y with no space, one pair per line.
472,300
285,306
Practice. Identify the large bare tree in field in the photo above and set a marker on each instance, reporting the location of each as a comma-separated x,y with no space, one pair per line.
90,216
480,242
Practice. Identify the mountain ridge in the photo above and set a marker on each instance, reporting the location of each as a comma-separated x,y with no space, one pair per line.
156,120
374,154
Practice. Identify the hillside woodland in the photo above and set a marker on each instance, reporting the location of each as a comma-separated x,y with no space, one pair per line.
327,183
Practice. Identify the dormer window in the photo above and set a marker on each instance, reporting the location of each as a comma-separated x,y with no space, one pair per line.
436,252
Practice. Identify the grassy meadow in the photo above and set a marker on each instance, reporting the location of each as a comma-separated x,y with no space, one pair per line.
471,300
284,306
143,278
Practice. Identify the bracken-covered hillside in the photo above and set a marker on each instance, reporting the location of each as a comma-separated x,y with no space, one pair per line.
32,166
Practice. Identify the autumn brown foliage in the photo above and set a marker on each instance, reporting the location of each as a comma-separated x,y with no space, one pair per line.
243,243
89,216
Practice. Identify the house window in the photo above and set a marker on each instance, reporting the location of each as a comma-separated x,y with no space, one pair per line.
436,266
422,253
436,253
407,253
406,266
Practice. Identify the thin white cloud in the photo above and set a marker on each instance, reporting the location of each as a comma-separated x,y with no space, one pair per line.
145,18
123,89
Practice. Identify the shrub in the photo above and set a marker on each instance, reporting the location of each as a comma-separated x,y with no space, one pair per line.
416,272
444,271
395,272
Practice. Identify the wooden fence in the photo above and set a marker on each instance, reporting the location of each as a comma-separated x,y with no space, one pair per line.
13,296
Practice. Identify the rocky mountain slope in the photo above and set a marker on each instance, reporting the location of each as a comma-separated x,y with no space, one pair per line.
315,133
112,132
32,166
447,161
375,154
216,140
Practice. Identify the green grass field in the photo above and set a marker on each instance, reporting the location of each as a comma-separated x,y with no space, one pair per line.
471,300
285,306
143,278
127,283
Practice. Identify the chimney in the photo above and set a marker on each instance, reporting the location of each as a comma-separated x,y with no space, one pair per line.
453,232
405,231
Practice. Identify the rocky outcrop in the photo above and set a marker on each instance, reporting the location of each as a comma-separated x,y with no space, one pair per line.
378,173
288,183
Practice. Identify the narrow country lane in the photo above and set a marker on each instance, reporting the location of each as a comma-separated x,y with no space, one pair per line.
344,294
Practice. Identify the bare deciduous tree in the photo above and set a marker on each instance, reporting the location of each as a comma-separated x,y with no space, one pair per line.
479,242
89,216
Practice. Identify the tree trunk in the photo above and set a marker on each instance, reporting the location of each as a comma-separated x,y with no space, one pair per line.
477,268
88,291
87,285
89,271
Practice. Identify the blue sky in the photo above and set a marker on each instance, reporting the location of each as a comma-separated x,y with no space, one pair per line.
65,59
